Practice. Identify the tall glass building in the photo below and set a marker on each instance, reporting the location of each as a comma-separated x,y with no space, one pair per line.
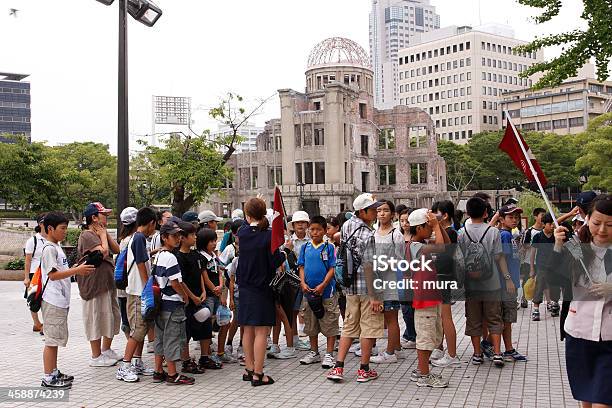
15,112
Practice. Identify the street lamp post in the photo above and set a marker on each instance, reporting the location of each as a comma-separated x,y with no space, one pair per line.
301,187
147,13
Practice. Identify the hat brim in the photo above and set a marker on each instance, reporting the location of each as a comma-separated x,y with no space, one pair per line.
217,219
518,210
173,231
376,204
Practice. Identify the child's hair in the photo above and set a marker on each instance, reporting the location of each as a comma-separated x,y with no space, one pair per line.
145,215
400,208
40,216
446,207
187,228
53,219
547,219
537,211
476,207
333,221
87,223
205,235
127,230
482,195
256,209
390,204
317,219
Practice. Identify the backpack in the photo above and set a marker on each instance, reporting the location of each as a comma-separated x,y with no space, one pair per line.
478,265
346,269
35,291
459,267
121,270
35,244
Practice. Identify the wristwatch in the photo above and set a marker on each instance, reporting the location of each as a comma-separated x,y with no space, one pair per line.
507,276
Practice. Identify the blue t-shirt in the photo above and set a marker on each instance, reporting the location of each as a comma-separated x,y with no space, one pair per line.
510,248
316,262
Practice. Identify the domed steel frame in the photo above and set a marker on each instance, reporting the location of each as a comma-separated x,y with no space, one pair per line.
338,50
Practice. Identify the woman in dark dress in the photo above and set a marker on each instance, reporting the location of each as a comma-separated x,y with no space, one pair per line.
256,268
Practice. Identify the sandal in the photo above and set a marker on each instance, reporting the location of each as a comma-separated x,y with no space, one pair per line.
248,376
180,379
260,381
192,367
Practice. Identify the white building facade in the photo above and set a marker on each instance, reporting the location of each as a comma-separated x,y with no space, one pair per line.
393,24
248,131
458,76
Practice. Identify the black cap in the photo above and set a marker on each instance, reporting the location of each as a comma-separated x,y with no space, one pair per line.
585,199
170,228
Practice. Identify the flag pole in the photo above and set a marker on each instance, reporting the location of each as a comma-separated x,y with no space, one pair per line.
533,172
283,205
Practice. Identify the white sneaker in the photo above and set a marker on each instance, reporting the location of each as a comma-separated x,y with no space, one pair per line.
310,358
239,352
384,358
269,343
102,361
273,351
354,347
227,358
140,368
446,361
286,353
197,345
400,354
125,373
408,344
432,381
303,345
229,349
436,355
151,346
374,351
328,361
112,354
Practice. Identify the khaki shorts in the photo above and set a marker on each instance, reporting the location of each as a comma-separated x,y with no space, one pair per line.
56,325
138,326
360,321
101,316
328,325
477,311
428,327
509,305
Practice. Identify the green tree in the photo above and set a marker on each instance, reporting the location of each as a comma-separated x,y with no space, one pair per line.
596,155
529,201
147,185
579,46
494,164
461,168
192,167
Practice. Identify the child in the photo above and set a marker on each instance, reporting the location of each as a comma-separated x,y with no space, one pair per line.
206,242
55,278
170,336
32,249
190,262
542,266
426,303
510,216
317,262
526,249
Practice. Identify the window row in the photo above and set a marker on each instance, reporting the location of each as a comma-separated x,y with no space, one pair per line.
310,172
555,124
312,136
503,49
451,107
17,105
491,120
457,135
499,64
14,119
506,79
435,53
558,107
387,174
459,120
15,91
432,69
447,80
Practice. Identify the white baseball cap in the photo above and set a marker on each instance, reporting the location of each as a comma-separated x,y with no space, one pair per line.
128,215
202,314
208,215
237,214
365,201
577,217
418,217
300,216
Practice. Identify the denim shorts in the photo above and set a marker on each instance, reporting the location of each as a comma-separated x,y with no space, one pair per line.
391,305
213,304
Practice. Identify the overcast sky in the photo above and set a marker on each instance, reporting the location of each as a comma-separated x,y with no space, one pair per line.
199,48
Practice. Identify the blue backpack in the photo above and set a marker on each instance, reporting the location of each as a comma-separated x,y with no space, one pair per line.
121,270
150,299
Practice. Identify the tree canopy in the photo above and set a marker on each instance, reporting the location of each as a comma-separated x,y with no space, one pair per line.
595,159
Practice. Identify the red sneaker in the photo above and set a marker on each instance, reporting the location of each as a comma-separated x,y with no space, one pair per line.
365,376
336,374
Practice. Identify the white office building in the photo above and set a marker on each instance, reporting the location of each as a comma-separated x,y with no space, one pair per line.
458,75
248,131
393,24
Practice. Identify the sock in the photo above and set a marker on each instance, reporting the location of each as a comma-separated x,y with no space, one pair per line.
136,360
365,367
339,364
47,377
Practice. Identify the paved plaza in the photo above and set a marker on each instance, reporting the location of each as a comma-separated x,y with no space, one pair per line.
541,382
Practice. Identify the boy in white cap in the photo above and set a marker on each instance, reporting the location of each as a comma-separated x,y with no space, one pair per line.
208,219
364,306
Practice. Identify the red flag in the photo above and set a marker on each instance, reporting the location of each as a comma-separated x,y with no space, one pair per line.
278,226
510,145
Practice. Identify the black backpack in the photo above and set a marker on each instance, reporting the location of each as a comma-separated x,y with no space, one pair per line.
346,270
478,263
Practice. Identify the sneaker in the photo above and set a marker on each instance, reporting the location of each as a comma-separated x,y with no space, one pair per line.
477,359
328,361
150,347
433,381
400,354
273,350
62,376
310,358
209,364
216,358
498,360
227,358
535,316
160,377
446,361
554,309
140,368
374,352
242,361
112,354
513,355
436,355
239,352
384,358
191,367
179,379
415,375
354,347
524,303
126,373
365,376
303,345
213,348
269,341
487,348
196,346
336,344
548,306
102,361
408,344
55,382
286,353
336,374
229,349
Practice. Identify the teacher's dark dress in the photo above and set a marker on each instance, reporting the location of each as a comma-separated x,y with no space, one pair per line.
256,269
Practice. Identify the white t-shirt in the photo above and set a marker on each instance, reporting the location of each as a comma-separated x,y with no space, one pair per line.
229,253
137,253
29,250
57,292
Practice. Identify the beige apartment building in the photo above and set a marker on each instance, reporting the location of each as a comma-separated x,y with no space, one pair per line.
458,75
330,144
564,109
